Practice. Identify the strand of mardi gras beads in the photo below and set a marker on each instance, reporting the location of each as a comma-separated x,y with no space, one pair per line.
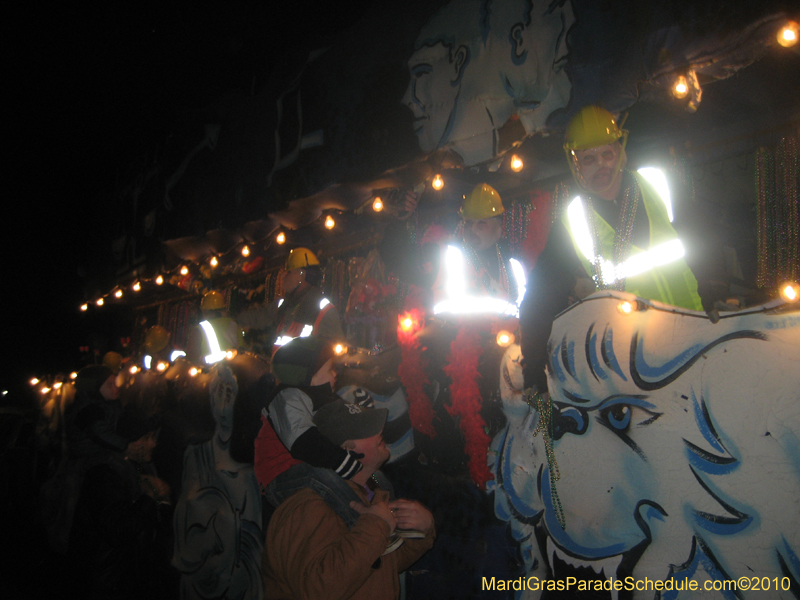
543,404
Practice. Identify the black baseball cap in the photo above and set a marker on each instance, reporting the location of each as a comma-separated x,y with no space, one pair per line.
340,421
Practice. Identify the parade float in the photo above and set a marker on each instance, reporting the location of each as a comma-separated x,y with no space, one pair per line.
669,449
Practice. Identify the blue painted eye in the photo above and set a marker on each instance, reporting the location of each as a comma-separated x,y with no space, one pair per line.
570,412
568,419
618,416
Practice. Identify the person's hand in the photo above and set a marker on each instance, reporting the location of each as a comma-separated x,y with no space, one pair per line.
410,514
156,488
379,509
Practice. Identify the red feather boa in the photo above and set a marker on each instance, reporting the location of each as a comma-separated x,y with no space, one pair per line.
413,375
465,401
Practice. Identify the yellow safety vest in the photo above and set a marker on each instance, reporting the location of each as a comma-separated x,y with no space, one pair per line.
656,273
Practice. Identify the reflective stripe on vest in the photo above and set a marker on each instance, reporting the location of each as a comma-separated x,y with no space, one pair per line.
291,332
639,263
658,273
213,344
458,301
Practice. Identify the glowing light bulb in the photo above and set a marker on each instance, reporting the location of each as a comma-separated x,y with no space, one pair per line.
184,270
193,371
137,286
329,222
516,163
681,87
377,204
231,354
213,262
339,349
84,307
437,183
34,381
505,339
73,375
45,390
245,250
625,307
162,366
118,293
407,323
787,36
790,292
133,370
100,302
159,280
57,385
280,238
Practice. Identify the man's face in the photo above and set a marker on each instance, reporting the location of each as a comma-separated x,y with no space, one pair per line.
431,94
483,233
598,167
374,449
292,279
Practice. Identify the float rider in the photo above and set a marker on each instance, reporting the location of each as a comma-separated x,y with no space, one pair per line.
215,334
304,311
616,234
479,277
621,227
475,296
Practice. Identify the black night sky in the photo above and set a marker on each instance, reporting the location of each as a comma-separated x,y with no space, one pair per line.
96,87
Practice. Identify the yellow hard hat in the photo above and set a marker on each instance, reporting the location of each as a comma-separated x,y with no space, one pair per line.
156,338
483,202
592,127
212,300
300,258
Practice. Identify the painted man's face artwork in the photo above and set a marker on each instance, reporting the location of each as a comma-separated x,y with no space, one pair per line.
432,92
223,390
478,63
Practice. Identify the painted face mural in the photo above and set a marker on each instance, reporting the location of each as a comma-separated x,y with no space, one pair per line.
223,390
433,92
479,62
217,521
677,444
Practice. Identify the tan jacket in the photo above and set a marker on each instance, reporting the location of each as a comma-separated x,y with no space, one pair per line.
309,553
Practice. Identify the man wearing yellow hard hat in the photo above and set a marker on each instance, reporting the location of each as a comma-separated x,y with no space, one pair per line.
479,276
476,295
615,233
215,333
303,310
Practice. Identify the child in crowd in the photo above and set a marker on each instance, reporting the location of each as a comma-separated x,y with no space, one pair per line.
290,453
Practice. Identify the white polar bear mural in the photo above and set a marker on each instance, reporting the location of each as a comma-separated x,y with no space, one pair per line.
678,445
